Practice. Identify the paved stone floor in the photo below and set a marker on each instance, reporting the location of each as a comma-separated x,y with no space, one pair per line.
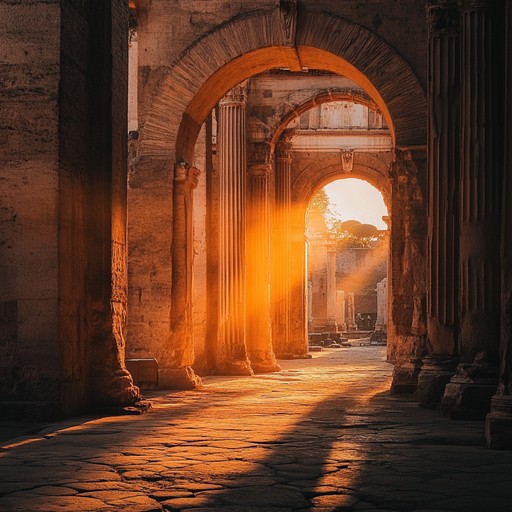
323,434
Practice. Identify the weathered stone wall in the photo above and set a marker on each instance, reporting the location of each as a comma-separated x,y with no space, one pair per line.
63,205
29,183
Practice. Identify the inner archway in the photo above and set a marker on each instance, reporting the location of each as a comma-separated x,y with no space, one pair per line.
185,97
347,258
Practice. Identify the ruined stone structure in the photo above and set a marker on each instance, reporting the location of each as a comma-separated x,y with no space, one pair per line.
153,190
343,282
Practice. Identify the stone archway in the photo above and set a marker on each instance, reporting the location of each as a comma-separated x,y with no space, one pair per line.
256,43
185,96
324,170
307,182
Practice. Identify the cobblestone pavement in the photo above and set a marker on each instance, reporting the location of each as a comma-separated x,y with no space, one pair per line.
323,434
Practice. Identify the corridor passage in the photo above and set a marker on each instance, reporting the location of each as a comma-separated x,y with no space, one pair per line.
323,434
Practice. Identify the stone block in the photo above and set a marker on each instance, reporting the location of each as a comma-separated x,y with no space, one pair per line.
144,372
498,432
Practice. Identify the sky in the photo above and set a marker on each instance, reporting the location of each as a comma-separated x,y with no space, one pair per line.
356,199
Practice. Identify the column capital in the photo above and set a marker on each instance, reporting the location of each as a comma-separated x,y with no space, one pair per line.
259,153
443,17
235,97
476,5
187,174
284,149
408,153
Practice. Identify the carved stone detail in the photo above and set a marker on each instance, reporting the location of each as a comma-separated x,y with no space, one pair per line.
288,13
347,160
443,17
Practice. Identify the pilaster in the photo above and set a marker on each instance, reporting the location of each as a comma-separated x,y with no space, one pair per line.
175,372
407,322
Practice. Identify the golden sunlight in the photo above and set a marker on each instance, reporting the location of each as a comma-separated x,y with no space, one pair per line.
355,199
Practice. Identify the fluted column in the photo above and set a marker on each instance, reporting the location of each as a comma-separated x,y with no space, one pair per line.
281,259
469,392
259,321
297,330
499,421
231,353
443,215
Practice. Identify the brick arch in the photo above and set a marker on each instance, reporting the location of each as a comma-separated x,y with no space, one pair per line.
327,96
329,168
249,45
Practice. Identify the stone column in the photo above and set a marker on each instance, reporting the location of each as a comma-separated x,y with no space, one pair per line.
468,395
330,323
231,353
297,330
443,215
281,258
175,372
340,310
408,233
259,321
499,421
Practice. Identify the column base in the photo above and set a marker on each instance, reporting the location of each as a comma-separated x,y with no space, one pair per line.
436,372
178,378
405,376
268,366
331,326
498,423
113,387
468,394
235,368
291,355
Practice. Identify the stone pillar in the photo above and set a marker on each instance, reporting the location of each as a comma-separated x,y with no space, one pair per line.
468,395
176,373
330,323
408,233
351,311
258,317
231,353
340,310
443,215
281,258
297,330
499,422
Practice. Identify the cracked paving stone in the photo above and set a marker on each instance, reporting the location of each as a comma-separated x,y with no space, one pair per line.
334,501
51,503
321,442
266,497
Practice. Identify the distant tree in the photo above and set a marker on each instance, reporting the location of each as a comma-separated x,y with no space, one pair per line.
351,233
355,234
318,211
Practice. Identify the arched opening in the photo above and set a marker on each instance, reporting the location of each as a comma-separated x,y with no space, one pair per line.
185,99
347,258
